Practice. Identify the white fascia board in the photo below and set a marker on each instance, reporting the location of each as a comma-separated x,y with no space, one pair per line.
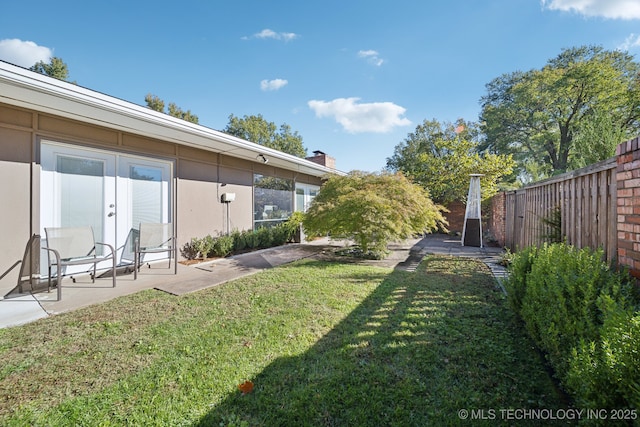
27,89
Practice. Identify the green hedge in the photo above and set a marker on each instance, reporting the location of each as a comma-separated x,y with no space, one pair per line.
241,241
584,316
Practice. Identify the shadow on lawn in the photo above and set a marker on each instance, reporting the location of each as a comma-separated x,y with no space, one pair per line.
423,346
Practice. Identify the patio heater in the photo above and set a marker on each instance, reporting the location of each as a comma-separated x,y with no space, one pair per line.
472,228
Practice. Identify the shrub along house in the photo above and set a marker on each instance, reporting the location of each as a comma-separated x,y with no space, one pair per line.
71,156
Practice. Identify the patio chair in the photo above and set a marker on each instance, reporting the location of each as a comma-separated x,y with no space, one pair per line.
155,238
29,274
75,246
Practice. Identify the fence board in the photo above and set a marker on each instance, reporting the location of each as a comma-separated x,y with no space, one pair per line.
587,202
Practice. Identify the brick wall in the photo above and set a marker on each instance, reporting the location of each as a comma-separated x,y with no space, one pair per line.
455,216
497,215
628,190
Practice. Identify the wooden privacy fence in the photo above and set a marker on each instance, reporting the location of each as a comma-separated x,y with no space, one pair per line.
587,202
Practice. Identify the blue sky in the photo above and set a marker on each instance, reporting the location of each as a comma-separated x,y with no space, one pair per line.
353,77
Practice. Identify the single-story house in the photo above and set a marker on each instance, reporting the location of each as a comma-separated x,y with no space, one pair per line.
73,156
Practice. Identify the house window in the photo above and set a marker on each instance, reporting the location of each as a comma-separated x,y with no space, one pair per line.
305,194
272,200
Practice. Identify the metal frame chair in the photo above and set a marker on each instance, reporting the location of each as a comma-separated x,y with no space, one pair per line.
155,238
29,273
75,246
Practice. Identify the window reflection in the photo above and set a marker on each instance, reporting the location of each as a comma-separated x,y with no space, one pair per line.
273,200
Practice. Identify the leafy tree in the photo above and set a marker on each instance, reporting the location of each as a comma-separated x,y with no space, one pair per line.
257,129
176,111
596,140
157,104
55,68
440,157
536,115
154,102
372,209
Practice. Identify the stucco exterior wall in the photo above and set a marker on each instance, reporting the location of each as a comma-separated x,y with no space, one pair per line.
15,183
200,177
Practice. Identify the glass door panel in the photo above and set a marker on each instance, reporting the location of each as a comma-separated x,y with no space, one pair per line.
81,186
146,194
144,187
77,188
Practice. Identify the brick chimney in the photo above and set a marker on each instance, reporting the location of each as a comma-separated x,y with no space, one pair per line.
322,159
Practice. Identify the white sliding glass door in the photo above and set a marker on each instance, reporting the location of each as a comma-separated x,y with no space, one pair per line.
144,188
111,192
77,188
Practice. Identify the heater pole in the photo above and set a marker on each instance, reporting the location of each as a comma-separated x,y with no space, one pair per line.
472,229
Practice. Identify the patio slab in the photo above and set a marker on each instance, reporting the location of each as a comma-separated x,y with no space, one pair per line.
20,310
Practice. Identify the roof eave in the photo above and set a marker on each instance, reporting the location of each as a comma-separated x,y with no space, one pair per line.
27,89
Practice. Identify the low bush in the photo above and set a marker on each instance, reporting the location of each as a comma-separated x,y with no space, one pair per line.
281,234
252,239
516,283
559,300
265,237
189,251
240,241
223,246
206,245
578,311
197,248
604,373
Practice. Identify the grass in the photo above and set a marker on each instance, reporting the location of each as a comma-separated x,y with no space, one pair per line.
325,343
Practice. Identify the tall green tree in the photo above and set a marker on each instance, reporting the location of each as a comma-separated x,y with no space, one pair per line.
372,209
257,129
178,112
536,115
441,156
157,104
154,102
55,68
596,140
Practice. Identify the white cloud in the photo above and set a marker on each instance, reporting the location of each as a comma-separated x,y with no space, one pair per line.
611,9
23,53
371,56
630,42
378,117
274,84
270,34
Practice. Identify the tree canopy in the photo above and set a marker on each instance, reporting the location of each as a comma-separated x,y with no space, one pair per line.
372,209
257,129
441,156
55,68
157,104
575,109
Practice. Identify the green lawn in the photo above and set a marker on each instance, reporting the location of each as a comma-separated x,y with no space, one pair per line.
325,343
